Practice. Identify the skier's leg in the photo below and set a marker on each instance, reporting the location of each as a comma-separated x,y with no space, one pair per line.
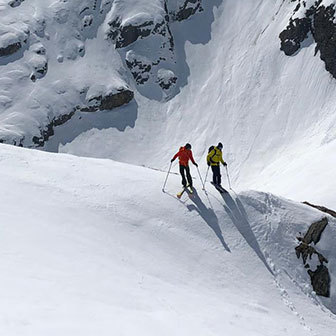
189,176
216,171
182,169
219,178
213,168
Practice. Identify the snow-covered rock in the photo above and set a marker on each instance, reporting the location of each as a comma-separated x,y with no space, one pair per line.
124,41
312,20
12,37
183,9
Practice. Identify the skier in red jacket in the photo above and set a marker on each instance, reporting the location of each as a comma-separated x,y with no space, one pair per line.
184,155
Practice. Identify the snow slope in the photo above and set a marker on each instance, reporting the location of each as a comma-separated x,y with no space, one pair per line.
93,246
274,113
218,76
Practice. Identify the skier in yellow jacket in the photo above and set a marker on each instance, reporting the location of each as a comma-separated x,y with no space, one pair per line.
214,158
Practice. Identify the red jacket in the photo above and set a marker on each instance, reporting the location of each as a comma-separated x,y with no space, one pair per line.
184,156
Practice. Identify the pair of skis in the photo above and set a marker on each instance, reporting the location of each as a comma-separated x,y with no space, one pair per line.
188,189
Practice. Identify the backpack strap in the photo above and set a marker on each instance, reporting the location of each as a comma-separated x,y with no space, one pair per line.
212,156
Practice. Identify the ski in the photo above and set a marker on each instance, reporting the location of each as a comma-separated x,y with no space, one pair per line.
219,188
222,189
179,195
190,190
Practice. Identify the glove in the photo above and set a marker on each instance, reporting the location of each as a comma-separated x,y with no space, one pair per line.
172,160
209,164
196,165
225,164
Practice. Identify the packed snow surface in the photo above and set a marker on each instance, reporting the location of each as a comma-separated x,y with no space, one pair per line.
94,247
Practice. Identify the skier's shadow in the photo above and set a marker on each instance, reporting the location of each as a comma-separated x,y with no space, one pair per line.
239,218
208,216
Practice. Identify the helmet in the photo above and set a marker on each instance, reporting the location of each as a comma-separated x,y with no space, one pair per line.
220,145
188,146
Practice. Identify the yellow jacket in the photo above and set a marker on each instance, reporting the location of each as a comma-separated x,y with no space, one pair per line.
215,157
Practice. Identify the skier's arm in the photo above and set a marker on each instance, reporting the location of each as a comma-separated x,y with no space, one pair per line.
175,156
221,159
192,159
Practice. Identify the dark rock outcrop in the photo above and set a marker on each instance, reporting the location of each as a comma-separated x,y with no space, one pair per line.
315,231
124,35
322,208
187,9
15,3
319,20
166,79
109,101
306,251
39,71
320,278
295,33
140,67
10,49
48,131
101,102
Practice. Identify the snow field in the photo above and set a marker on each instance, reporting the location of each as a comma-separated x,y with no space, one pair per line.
273,113
95,246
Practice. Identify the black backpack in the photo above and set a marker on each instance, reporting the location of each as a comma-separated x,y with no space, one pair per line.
211,148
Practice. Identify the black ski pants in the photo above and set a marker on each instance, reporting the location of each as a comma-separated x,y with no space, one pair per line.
185,170
217,177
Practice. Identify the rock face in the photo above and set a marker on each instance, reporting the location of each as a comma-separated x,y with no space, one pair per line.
318,20
315,231
99,102
320,278
62,50
108,101
126,34
166,79
12,37
10,49
15,3
140,67
186,8
322,208
295,33
145,41
48,131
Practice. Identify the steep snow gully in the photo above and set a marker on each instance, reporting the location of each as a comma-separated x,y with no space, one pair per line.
90,243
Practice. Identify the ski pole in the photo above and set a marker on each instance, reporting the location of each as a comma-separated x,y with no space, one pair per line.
200,176
228,177
167,176
206,175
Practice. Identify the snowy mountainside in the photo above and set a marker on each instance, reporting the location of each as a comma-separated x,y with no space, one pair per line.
132,80
90,252
274,113
61,58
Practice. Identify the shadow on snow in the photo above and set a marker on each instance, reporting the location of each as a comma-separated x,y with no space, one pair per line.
239,218
208,216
